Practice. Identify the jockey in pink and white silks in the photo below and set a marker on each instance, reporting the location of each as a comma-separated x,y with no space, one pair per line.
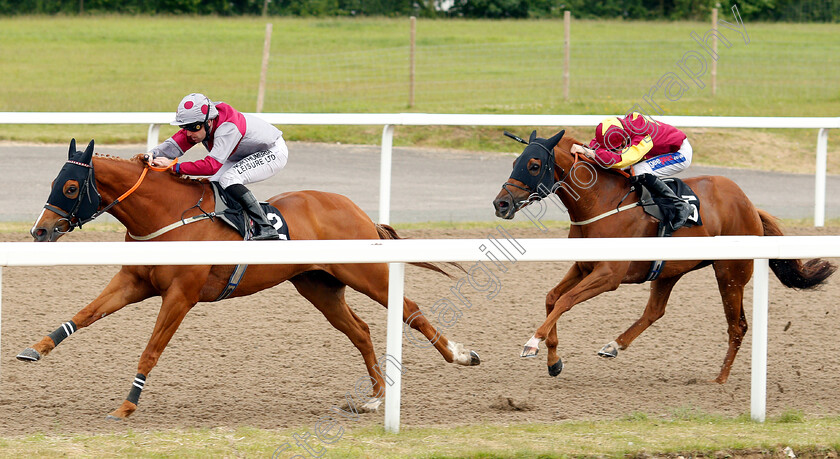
650,149
243,149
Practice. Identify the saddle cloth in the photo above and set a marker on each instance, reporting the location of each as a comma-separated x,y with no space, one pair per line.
664,211
231,212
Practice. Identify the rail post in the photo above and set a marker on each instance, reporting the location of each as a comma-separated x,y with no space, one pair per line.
758,385
385,175
152,138
396,288
819,177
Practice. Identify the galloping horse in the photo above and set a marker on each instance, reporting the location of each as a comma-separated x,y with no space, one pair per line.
593,197
144,206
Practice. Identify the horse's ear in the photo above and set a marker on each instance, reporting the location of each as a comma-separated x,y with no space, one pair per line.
533,136
72,149
552,142
86,157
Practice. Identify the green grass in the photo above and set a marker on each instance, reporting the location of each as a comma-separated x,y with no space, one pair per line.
127,63
642,435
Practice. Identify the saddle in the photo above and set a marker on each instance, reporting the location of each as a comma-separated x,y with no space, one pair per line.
231,212
664,211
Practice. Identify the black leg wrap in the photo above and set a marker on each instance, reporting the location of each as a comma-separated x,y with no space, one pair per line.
136,388
66,329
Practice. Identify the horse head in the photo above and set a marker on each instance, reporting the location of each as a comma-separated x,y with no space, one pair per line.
73,198
533,177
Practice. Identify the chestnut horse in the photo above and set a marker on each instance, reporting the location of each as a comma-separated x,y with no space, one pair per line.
593,196
161,199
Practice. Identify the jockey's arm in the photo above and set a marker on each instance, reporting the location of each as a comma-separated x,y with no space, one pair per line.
173,147
203,167
225,140
634,153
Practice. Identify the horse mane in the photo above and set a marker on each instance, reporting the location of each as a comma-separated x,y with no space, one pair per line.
111,157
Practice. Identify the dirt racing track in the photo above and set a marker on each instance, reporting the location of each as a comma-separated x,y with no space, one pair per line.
272,360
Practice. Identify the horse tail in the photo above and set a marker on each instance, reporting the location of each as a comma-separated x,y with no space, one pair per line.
388,232
795,273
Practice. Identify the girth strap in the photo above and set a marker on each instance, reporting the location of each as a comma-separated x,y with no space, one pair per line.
233,282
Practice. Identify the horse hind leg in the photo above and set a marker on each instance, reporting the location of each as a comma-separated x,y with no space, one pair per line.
451,351
660,291
326,293
372,280
732,276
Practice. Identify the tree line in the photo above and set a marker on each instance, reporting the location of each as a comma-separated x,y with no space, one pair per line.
761,10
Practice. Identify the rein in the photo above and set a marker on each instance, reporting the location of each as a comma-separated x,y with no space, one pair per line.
183,221
96,214
618,208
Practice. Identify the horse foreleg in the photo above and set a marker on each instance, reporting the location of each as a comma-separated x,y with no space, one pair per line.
604,277
660,291
572,278
125,288
172,311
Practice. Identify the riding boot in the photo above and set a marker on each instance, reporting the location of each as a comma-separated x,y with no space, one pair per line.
263,230
659,189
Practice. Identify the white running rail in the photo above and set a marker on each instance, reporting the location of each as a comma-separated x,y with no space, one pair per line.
397,252
389,120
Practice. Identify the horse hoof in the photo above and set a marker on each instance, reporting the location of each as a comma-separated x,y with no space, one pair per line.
554,370
609,351
29,355
531,347
474,359
111,417
529,351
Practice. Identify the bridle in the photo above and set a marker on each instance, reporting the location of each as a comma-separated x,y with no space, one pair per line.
73,218
537,194
559,177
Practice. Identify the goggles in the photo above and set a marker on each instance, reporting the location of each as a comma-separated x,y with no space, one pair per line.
193,127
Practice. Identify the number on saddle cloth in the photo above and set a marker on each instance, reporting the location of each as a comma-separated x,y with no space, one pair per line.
663,210
232,213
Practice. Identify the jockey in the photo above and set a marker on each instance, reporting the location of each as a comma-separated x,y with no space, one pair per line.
243,149
650,149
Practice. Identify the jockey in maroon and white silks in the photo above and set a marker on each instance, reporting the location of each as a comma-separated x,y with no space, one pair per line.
242,149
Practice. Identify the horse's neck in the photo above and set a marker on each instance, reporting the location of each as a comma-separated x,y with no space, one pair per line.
588,190
159,200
